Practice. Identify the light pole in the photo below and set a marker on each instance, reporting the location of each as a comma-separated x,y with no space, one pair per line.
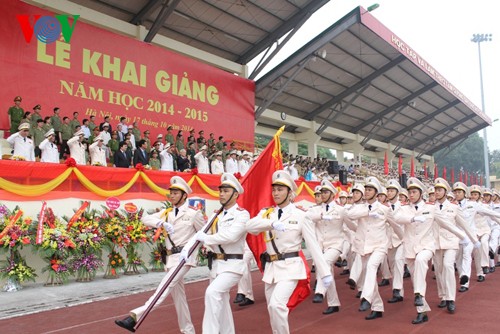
478,38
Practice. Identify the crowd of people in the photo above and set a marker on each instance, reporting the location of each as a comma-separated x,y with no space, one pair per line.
376,228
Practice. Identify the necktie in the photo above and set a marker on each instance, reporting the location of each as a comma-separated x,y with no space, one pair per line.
176,211
225,213
370,207
51,145
392,206
327,207
416,207
25,140
280,212
440,206
100,149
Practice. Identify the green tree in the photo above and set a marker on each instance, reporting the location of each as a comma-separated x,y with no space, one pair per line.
469,155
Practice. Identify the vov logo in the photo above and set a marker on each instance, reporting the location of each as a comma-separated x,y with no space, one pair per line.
47,29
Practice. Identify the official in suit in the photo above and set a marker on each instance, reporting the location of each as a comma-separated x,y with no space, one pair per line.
419,242
328,219
122,156
284,226
226,242
447,245
140,154
180,223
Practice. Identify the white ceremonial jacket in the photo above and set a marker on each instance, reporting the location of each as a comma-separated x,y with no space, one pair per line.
471,212
97,154
50,153
23,146
77,150
329,225
450,213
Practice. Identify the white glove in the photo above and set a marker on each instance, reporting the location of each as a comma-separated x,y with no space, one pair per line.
419,219
374,215
477,244
278,226
200,236
327,280
464,242
184,254
169,228
185,250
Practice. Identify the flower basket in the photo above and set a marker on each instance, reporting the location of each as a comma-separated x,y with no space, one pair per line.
115,262
16,272
134,262
86,265
156,260
58,270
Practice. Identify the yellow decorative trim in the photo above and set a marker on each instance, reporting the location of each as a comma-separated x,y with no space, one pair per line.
101,192
34,190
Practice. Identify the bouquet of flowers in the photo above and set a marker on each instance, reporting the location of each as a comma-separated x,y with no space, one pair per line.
115,237
16,272
116,261
136,233
88,238
86,265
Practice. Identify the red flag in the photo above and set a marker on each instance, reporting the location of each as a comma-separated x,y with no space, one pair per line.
400,165
481,181
412,168
436,172
386,165
460,178
453,175
257,185
466,178
444,172
425,170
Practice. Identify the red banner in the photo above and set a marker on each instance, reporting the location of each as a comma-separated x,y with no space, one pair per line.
11,223
77,214
101,73
386,165
41,220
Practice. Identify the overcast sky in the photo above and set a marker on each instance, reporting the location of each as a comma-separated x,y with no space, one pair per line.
440,31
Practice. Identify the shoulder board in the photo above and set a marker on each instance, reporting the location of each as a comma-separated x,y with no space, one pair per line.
386,204
301,208
240,209
267,208
454,203
405,204
431,203
193,207
216,211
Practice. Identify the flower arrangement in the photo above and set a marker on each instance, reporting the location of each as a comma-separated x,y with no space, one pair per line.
16,272
157,258
18,158
88,238
58,270
86,266
136,233
70,162
115,262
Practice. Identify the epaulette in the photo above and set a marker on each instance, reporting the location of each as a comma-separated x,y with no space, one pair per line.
301,208
454,203
405,204
266,208
193,207
216,211
386,204
240,209
431,203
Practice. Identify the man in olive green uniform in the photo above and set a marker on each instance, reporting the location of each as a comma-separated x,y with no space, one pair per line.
57,124
66,134
170,137
113,144
137,133
74,123
92,124
148,141
38,137
35,116
16,114
47,124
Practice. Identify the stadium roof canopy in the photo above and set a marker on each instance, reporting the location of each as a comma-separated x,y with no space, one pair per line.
358,77
234,30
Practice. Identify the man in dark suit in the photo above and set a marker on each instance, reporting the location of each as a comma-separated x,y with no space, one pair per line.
140,155
122,158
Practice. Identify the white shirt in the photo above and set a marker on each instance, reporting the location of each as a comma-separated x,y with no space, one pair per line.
201,163
231,166
86,131
50,153
23,146
124,129
166,161
77,150
106,137
97,154
244,166
217,167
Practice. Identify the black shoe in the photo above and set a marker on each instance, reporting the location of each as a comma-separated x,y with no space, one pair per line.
451,306
486,270
318,298
128,323
492,270
351,283
442,304
246,302
464,279
365,305
313,269
384,282
315,285
396,297
419,301
358,295
239,298
421,317
407,272
338,263
481,278
345,272
331,309
463,289
374,315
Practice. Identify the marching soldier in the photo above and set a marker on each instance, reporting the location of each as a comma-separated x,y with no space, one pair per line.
50,153
226,239
492,201
284,226
328,219
447,245
245,296
180,223
23,146
418,241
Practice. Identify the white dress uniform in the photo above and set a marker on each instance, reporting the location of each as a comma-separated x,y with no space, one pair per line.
97,154
77,150
23,146
243,166
227,239
495,233
166,161
329,225
217,167
187,221
201,163
50,153
245,283
231,166
282,275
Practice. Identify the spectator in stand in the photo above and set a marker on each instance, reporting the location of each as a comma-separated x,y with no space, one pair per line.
217,164
231,163
113,145
129,145
140,154
169,137
167,159
201,139
38,137
16,114
57,124
35,116
77,149
50,153
159,140
74,123
121,136
22,145
179,142
27,119
97,152
122,157
106,120
191,152
47,124
86,129
154,162
245,163
132,137
148,141
220,144
183,161
92,124
292,170
202,160
137,133
123,122
66,134
105,135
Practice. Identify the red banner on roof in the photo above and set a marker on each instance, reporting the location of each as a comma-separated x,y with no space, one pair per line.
97,72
